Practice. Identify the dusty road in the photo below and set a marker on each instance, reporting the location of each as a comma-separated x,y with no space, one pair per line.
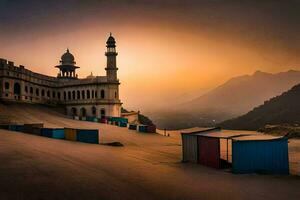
148,167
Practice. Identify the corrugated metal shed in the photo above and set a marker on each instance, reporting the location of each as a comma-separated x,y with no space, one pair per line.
189,148
209,151
260,154
190,143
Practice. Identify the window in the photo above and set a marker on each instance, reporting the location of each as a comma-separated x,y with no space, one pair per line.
102,112
96,94
78,94
82,112
102,94
31,90
26,89
17,89
69,95
73,95
88,95
82,94
48,93
6,85
37,92
53,94
58,95
93,94
94,111
74,111
115,94
43,92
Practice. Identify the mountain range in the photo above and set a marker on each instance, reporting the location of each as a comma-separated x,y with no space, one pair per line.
235,97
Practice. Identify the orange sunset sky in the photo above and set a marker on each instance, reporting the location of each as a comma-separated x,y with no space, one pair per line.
169,51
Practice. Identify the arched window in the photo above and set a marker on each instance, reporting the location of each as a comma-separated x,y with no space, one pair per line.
83,94
93,94
73,95
74,111
48,94
37,92
58,95
65,95
31,90
102,94
88,95
94,110
102,112
26,89
6,85
69,95
115,94
43,92
53,94
78,94
96,94
82,112
17,89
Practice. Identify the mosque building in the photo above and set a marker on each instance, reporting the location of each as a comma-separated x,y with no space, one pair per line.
95,96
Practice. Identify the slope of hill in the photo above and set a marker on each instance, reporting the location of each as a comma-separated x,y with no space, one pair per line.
235,97
240,94
278,110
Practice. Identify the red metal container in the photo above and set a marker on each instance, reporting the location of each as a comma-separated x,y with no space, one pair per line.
103,120
151,129
209,151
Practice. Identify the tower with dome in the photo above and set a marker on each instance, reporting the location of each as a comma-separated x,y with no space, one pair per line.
96,96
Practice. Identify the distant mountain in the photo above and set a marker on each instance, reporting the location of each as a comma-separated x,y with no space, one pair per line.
240,94
283,109
235,97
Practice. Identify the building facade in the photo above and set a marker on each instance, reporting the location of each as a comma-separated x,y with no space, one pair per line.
96,96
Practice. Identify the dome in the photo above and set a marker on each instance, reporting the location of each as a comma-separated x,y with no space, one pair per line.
111,42
67,58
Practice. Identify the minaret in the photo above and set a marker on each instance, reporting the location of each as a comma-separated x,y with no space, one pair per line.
111,65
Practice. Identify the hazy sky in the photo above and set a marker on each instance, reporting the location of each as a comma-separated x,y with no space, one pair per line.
168,50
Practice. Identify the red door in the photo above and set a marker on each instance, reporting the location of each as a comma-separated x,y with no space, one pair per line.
209,151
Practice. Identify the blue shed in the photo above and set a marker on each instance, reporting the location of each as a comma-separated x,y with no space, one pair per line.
142,128
88,136
57,133
123,124
260,154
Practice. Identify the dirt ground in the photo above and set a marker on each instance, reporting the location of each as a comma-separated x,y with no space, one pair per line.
147,167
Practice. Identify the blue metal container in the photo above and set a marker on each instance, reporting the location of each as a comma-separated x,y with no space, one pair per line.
118,119
57,133
123,124
132,126
260,156
15,127
142,128
88,136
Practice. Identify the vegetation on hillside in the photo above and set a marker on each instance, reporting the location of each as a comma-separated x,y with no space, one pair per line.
283,109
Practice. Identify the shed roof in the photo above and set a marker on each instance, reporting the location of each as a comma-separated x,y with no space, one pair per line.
258,137
197,130
226,134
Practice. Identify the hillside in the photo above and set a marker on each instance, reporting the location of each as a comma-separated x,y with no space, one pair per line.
235,97
240,94
278,110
